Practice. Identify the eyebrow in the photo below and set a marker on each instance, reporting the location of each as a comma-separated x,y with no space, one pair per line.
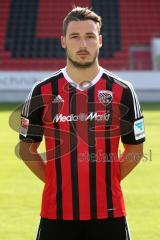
90,33
71,34
76,33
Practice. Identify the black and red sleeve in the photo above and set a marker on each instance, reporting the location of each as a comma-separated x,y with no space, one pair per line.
132,123
31,126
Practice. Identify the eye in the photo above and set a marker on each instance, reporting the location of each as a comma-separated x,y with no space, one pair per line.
90,36
74,37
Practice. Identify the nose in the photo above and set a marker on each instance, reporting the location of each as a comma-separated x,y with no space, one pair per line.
83,43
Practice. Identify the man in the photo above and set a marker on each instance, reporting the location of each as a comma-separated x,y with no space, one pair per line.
82,111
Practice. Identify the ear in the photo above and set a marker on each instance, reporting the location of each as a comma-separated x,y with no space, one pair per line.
63,41
100,41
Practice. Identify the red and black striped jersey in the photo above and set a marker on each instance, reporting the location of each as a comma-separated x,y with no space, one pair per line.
82,125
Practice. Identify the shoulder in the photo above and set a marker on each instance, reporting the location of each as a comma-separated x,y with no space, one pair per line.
117,80
56,75
36,89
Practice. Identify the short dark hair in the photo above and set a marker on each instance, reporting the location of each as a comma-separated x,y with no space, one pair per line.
81,14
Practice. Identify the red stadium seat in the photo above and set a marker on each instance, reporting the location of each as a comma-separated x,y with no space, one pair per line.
32,48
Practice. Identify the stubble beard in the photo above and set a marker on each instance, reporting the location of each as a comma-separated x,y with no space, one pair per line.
82,65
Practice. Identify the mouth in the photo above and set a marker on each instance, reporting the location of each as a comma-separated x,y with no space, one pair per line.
83,53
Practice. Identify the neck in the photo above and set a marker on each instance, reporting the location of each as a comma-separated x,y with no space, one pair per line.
79,75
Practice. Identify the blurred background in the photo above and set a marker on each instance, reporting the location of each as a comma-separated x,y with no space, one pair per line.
30,46
30,50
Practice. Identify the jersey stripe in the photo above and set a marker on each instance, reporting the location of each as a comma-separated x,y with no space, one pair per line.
110,207
65,153
82,154
57,154
92,160
100,150
39,234
25,110
73,156
128,231
138,112
51,76
114,142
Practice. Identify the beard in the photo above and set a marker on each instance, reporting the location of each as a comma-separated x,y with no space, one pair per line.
82,64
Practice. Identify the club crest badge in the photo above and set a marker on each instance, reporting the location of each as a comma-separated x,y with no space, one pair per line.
105,96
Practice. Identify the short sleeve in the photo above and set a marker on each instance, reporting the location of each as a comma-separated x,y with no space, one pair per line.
31,125
132,122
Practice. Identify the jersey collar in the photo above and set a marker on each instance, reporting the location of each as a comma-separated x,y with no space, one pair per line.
79,86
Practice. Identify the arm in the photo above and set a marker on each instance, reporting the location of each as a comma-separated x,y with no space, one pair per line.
130,157
31,132
132,131
29,154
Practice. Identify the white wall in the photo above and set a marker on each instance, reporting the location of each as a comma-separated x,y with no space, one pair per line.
146,84
14,86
